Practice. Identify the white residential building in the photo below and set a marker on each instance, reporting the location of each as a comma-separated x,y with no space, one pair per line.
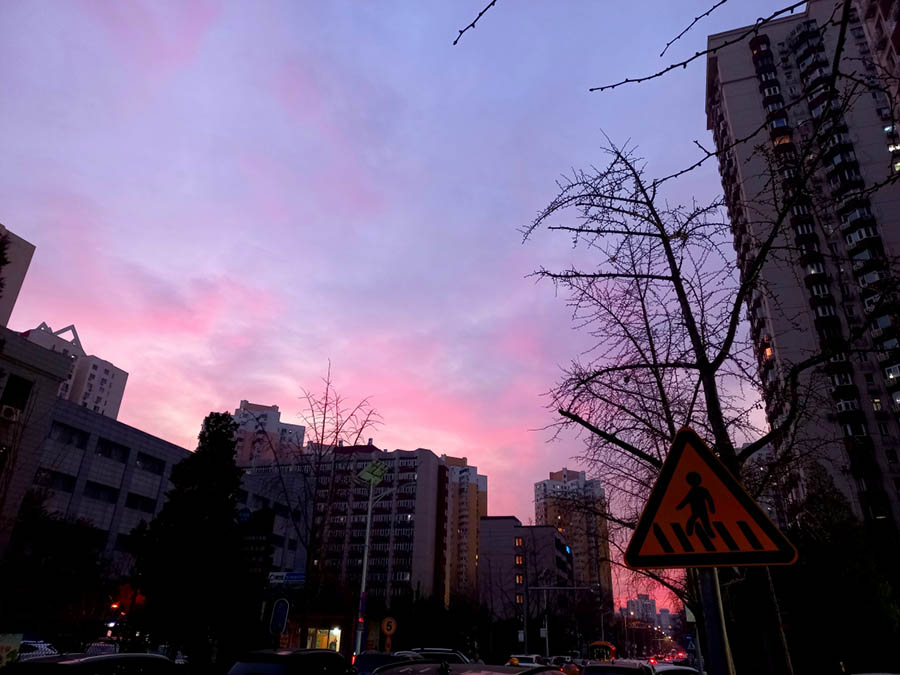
263,438
93,383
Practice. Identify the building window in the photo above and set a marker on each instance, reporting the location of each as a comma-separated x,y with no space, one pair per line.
520,579
883,429
140,503
519,543
150,464
111,450
68,435
876,404
54,480
520,560
520,599
100,492
16,392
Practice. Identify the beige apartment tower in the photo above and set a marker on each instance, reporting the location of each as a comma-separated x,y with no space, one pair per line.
827,288
575,506
466,506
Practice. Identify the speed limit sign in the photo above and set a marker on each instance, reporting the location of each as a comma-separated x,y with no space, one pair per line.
389,626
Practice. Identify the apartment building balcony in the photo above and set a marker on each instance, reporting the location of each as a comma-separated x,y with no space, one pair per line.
842,184
844,391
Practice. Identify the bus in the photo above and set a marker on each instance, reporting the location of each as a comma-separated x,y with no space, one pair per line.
601,651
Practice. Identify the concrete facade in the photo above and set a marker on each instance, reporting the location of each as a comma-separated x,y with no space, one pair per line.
93,383
19,253
108,473
29,380
514,558
825,287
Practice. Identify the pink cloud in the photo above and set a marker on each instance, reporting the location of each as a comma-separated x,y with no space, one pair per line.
155,38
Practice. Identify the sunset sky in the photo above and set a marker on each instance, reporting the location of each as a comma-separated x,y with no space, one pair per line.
224,196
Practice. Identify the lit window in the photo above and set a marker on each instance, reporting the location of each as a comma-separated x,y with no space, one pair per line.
781,140
520,599
520,560
519,541
520,579
894,147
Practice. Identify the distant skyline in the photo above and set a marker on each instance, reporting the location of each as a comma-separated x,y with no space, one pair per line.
224,196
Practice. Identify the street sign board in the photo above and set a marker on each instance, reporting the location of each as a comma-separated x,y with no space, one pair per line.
276,578
389,626
374,472
699,515
294,577
279,616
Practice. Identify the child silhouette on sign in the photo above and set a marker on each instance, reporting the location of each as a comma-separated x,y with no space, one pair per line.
701,503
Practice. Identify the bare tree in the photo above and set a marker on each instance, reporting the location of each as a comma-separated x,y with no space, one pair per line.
307,477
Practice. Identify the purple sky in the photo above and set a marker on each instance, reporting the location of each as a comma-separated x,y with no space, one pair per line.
225,196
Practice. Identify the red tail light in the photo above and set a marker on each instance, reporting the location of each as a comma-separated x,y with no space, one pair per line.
652,661
353,660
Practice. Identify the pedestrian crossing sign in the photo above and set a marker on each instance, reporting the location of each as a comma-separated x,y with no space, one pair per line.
699,515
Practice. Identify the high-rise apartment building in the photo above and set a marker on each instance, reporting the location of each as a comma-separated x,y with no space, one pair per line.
19,253
575,506
642,608
262,435
882,27
93,383
823,289
408,547
466,505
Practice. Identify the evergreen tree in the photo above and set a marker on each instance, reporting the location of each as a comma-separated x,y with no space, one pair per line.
190,564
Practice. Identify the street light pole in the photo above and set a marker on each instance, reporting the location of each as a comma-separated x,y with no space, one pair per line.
361,615
372,474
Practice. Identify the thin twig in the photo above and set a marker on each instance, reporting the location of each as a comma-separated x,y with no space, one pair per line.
472,25
693,23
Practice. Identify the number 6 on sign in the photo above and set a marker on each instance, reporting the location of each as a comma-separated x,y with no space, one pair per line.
389,626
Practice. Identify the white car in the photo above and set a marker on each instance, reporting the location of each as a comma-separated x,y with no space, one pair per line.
32,649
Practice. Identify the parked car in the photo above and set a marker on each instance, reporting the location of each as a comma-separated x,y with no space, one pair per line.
441,654
444,668
566,664
618,667
526,660
291,662
367,662
102,647
674,669
32,649
85,664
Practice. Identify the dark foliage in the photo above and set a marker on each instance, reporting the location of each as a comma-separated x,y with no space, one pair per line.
201,594
54,578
